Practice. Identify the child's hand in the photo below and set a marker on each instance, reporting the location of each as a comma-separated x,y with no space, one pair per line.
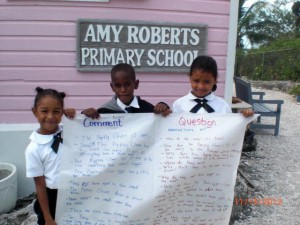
247,112
70,113
91,113
162,108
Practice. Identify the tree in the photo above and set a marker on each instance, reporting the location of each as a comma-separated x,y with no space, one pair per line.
270,28
257,24
296,11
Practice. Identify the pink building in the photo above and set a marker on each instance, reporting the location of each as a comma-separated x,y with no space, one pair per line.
38,48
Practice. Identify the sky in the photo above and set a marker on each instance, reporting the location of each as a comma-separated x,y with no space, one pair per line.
250,2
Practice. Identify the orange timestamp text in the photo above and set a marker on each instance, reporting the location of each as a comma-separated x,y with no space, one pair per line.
268,201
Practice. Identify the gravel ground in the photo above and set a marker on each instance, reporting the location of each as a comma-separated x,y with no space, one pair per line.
274,170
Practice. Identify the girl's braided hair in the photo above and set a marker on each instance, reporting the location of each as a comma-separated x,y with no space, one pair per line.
48,92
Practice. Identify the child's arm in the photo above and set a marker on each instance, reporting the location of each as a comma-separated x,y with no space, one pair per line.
247,112
40,185
162,108
70,113
91,113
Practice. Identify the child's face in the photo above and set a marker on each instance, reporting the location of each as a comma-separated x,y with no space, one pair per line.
202,82
123,85
48,112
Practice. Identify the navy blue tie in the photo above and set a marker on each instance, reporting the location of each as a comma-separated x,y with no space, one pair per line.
130,109
202,103
57,140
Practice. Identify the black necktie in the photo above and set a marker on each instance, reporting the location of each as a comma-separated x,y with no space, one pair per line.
130,109
201,103
57,140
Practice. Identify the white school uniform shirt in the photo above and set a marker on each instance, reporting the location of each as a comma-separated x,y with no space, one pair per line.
186,103
41,160
134,103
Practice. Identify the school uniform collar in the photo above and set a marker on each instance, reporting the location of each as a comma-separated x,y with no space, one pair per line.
209,97
41,138
134,103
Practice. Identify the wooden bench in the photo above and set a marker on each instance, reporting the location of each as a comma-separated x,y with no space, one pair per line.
266,108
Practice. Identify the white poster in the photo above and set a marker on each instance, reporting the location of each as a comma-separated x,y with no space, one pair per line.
145,169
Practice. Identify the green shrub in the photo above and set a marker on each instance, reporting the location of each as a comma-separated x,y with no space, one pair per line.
295,90
278,61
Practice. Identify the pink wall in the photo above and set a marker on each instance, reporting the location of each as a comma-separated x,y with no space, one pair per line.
38,48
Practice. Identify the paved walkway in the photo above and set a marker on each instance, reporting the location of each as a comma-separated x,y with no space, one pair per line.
274,169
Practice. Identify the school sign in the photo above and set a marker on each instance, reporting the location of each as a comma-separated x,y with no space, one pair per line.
149,47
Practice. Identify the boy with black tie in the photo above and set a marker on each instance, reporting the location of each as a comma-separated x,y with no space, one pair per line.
123,83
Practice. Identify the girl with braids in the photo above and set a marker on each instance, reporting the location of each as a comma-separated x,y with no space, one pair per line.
43,154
